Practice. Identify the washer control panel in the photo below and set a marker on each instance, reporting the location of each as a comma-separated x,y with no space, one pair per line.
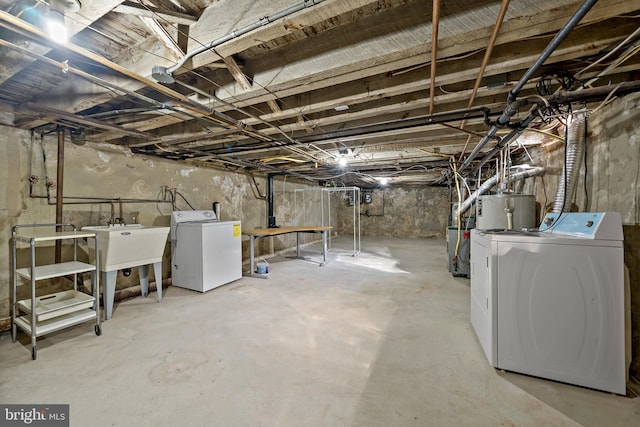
587,225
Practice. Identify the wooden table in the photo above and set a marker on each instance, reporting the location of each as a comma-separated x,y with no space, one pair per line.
257,233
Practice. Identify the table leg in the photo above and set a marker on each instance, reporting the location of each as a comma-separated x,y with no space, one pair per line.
251,266
95,291
297,245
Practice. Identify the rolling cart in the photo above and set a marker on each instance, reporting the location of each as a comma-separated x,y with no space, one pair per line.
41,315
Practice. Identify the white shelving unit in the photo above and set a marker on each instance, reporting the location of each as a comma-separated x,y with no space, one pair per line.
41,315
352,193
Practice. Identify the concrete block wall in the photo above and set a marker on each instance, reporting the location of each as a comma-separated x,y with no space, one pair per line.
419,212
104,171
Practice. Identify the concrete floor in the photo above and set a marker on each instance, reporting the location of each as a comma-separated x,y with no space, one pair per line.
382,339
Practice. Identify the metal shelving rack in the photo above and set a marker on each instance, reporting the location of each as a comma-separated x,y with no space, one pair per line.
352,192
42,315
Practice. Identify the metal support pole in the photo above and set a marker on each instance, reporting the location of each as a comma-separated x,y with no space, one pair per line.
271,219
59,191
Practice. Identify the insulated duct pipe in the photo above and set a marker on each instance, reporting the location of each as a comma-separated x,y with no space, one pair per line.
573,157
512,105
489,183
164,75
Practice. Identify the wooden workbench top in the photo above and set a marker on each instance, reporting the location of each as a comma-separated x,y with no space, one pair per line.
285,230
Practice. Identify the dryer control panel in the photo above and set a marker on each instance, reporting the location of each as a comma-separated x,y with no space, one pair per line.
178,217
586,225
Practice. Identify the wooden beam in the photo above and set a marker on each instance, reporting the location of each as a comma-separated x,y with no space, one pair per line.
237,73
273,104
322,13
244,82
165,38
132,8
172,140
183,38
91,12
54,114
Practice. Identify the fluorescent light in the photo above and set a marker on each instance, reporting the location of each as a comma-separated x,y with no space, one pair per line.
56,27
341,108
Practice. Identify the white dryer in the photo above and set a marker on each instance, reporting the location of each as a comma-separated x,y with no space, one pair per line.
551,303
205,253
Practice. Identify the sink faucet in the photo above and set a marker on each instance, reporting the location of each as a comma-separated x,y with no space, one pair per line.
117,220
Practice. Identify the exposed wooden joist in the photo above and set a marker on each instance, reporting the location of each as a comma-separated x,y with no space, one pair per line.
237,73
53,115
91,12
324,12
165,38
155,13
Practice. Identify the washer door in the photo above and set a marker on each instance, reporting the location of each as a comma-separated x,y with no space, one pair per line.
561,313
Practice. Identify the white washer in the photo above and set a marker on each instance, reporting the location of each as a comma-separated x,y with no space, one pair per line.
551,303
205,253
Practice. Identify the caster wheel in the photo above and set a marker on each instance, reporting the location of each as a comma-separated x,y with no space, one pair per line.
34,353
98,330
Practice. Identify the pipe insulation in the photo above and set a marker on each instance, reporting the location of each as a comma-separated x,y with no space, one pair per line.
491,182
573,159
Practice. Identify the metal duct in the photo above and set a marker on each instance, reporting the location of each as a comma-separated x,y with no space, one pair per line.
573,157
489,183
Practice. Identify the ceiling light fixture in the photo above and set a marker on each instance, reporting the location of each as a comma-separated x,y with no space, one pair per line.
343,156
341,108
383,180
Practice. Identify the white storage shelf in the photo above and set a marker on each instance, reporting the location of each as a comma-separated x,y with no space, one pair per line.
56,323
52,312
58,304
56,270
58,235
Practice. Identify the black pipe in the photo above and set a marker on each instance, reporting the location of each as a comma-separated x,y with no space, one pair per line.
561,97
506,139
512,104
271,219
59,191
432,119
552,46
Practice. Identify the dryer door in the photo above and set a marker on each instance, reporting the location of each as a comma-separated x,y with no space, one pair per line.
561,313
483,315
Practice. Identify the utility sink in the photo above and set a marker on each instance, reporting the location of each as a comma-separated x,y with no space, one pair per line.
122,246
128,245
